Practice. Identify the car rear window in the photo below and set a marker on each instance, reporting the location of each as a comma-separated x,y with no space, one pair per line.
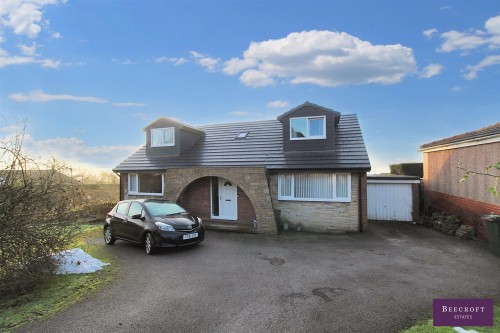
163,208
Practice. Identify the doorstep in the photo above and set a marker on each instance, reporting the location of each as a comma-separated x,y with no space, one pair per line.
230,226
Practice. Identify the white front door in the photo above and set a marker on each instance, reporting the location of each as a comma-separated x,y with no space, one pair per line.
228,200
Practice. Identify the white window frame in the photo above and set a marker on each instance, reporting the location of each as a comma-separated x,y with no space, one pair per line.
137,185
292,197
309,137
163,130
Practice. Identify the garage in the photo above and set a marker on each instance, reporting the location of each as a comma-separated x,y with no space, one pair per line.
393,197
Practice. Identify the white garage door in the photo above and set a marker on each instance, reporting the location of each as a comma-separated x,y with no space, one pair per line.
389,202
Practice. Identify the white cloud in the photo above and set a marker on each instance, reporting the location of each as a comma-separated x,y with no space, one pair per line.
174,60
431,70
49,63
77,151
24,17
129,104
40,96
457,89
277,104
205,61
56,35
428,33
240,113
324,58
486,62
29,50
8,60
467,41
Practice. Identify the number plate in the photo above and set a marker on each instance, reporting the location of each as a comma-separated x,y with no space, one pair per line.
189,236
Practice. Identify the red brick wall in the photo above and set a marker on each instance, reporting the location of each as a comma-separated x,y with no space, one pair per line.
246,212
469,211
196,199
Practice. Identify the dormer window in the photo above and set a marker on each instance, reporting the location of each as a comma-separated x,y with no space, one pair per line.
162,137
307,128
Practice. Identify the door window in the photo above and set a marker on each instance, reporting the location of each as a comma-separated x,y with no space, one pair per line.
135,209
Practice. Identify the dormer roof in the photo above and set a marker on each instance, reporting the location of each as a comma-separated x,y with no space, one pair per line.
309,104
167,121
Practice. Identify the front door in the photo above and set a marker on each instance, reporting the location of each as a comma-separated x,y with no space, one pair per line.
228,200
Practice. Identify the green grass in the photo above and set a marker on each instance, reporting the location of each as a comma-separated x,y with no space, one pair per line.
59,292
426,326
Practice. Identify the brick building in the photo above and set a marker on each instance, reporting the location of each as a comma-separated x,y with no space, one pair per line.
308,166
443,190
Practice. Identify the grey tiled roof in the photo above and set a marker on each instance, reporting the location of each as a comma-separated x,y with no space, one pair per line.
262,147
474,135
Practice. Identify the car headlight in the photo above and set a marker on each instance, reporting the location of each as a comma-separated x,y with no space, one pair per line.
164,226
200,220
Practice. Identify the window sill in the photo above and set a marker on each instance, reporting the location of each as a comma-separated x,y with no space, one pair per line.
168,145
347,200
308,138
149,194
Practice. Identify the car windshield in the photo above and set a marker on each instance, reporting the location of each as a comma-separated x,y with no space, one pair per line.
157,208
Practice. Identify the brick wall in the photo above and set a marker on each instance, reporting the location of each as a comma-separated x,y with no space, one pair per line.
196,199
322,216
469,211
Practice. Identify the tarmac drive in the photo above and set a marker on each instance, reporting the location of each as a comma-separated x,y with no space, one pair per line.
380,281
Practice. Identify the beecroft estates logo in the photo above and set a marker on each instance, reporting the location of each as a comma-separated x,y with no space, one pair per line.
462,312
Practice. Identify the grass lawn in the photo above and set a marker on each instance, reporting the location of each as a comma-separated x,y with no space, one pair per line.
61,291
426,327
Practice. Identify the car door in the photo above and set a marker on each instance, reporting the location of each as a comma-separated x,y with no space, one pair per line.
119,219
134,226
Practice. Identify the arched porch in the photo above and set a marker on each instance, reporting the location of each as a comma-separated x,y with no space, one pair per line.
250,181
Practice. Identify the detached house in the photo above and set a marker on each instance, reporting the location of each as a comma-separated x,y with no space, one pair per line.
308,166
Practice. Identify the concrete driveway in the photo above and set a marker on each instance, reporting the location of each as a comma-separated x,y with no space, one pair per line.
380,281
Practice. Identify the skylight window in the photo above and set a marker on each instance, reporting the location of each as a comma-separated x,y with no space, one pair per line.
242,135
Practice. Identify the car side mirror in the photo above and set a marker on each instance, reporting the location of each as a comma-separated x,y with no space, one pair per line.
138,216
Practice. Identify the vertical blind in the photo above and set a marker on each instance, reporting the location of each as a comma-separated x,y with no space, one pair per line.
314,186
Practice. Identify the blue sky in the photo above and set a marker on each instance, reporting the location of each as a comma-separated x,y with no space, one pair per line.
89,75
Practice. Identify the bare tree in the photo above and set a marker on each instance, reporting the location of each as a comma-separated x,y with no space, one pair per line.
37,215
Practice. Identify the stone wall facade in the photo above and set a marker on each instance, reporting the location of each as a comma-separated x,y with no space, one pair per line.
321,216
251,180
258,198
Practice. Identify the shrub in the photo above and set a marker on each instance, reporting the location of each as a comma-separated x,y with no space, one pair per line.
36,219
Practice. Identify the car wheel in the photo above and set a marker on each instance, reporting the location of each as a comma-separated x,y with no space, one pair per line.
149,244
108,236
